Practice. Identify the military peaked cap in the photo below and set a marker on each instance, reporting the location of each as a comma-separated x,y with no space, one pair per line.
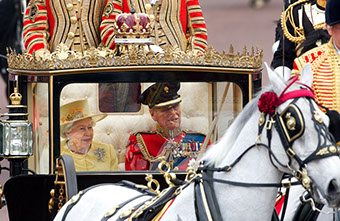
332,12
161,94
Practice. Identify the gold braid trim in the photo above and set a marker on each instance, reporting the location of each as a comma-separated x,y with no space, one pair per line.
288,15
322,3
334,60
142,146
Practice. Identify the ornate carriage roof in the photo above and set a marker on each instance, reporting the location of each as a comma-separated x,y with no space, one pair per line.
62,58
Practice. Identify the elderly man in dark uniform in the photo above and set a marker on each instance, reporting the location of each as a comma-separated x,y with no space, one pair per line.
146,149
325,61
303,28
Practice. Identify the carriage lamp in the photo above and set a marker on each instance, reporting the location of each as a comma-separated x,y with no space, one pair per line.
16,133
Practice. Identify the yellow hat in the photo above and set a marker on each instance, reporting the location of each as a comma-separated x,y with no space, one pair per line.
75,111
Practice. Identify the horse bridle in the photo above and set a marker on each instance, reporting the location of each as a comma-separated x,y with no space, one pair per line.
290,126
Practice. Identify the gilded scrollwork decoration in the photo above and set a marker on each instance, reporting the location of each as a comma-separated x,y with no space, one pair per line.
62,58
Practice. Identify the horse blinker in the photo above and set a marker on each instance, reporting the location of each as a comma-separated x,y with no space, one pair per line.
292,122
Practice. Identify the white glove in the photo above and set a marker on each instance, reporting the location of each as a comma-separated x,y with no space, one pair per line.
275,46
156,48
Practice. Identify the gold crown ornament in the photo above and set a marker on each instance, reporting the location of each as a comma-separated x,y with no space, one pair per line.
132,28
15,97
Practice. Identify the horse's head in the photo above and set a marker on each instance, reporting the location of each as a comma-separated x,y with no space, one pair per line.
313,156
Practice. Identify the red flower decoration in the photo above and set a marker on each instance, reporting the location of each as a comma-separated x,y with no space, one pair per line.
268,102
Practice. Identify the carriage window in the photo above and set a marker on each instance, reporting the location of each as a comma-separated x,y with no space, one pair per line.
38,115
171,120
119,97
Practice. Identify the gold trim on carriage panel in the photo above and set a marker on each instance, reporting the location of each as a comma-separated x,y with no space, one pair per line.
31,160
250,87
63,59
134,68
51,124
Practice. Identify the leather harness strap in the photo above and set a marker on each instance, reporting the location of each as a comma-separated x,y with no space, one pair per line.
206,205
125,183
118,207
75,199
152,209
204,198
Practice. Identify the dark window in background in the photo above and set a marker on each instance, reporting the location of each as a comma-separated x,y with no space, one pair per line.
119,97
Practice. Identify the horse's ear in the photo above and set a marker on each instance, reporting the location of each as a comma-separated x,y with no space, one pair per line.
276,80
306,75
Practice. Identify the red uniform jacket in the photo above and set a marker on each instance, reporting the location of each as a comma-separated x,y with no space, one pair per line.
47,23
144,147
325,66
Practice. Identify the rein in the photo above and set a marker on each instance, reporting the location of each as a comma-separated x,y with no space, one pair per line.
290,126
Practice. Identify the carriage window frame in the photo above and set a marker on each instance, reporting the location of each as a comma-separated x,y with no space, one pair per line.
249,80
139,112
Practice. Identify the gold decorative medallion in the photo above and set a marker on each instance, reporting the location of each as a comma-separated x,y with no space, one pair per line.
261,119
332,149
291,122
148,7
317,117
33,11
305,179
108,10
166,89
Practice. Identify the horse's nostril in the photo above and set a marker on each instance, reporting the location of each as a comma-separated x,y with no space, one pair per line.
332,187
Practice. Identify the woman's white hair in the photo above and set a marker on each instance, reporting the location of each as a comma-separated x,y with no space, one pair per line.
68,128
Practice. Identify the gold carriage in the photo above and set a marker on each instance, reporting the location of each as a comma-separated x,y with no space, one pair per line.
213,85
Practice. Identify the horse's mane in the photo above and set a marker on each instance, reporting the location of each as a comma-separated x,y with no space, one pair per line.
218,151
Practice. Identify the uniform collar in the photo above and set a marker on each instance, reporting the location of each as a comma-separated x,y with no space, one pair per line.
336,48
168,133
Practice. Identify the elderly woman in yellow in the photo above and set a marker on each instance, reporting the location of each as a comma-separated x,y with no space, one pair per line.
76,127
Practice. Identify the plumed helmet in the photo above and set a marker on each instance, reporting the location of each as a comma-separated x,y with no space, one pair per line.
332,12
161,94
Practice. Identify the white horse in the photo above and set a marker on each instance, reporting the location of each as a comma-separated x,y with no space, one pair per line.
264,163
